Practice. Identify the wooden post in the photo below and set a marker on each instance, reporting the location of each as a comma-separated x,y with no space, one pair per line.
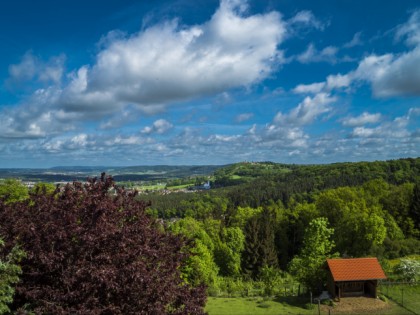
311,297
319,307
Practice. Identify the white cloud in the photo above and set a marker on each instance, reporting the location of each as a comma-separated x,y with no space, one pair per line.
355,41
312,88
33,68
311,54
168,62
389,74
333,82
160,126
363,119
410,30
395,74
306,18
392,75
307,111
158,66
395,129
338,81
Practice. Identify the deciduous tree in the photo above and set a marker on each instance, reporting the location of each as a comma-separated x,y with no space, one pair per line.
92,253
317,247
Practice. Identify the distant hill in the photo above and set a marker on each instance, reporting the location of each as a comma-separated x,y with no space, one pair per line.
133,173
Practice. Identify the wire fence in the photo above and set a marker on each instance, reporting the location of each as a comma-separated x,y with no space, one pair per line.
405,294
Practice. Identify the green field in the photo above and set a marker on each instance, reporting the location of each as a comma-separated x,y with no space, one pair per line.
289,305
253,306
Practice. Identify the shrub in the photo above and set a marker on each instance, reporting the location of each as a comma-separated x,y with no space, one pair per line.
9,276
309,306
408,270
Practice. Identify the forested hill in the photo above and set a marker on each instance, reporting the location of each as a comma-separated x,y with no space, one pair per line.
393,171
255,184
373,209
258,183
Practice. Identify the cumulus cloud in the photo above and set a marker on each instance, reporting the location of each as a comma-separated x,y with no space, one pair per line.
388,74
395,74
333,82
158,66
169,62
391,75
363,119
307,111
160,126
312,88
32,68
396,129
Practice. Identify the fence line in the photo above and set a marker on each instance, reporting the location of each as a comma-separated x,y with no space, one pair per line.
405,294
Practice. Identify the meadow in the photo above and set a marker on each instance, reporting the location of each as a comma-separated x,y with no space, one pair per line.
292,306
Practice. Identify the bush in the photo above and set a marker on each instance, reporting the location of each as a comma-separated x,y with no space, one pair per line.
383,298
90,253
408,270
9,276
309,306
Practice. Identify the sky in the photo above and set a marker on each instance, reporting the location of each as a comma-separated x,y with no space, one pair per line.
124,82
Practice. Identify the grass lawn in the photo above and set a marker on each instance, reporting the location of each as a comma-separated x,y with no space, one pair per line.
253,306
289,305
407,296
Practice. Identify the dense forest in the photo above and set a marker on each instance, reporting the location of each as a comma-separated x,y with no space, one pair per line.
257,215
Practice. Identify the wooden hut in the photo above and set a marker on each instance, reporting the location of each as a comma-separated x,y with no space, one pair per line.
354,277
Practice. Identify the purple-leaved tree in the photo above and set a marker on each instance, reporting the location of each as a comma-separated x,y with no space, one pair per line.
88,252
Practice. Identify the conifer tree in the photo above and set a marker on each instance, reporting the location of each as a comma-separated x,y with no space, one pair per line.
414,211
260,249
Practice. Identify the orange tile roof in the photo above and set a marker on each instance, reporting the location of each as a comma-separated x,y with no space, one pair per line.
353,269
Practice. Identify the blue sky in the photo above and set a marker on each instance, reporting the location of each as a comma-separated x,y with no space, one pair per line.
208,82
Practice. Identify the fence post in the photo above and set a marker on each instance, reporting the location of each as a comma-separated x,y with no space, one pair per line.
402,297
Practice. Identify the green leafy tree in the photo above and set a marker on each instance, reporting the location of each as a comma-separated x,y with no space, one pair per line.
9,276
272,279
307,267
228,251
358,228
12,190
399,204
297,220
46,188
199,267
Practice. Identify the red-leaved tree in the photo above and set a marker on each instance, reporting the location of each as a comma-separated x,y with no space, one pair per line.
91,253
